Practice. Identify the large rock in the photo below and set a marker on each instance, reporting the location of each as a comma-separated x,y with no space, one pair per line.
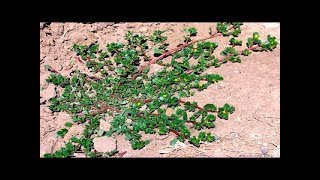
105,125
75,130
104,144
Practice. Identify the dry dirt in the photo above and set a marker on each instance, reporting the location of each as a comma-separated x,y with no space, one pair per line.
253,87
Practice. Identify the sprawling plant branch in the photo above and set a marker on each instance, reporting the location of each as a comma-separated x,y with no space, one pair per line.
183,102
224,58
175,50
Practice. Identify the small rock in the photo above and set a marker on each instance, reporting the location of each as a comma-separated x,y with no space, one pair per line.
49,92
180,145
104,144
75,130
105,125
264,150
234,135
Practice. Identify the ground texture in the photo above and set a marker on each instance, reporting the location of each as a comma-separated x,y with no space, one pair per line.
253,87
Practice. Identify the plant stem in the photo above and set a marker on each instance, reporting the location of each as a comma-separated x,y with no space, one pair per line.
198,107
101,110
78,58
175,132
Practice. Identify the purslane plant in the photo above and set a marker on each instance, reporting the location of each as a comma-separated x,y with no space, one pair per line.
139,102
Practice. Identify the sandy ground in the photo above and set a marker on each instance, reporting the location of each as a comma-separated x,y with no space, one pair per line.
253,87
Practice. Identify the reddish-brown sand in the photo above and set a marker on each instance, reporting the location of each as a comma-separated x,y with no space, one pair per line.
252,86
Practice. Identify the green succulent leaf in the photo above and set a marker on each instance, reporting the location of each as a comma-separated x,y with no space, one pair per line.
235,42
236,32
158,51
222,27
68,124
195,141
246,52
173,142
202,136
119,71
270,44
255,36
211,117
209,107
62,132
250,42
192,31
225,111
210,138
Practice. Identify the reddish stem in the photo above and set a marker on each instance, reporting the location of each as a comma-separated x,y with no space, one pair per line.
78,58
101,110
122,153
175,132
198,107
139,100
53,70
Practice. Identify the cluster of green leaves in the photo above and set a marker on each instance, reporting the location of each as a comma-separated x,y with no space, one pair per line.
267,45
159,41
140,104
230,55
224,27
190,32
86,52
225,111
57,80
64,152
202,137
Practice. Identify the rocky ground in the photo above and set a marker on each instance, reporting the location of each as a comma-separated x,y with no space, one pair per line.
253,87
